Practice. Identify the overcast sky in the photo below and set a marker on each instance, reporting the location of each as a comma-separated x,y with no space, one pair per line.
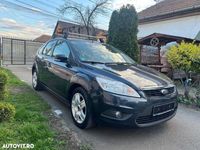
30,19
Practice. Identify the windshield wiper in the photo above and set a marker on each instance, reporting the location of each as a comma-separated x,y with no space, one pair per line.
93,62
108,63
119,63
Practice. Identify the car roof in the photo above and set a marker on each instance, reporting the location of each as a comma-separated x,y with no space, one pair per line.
76,40
82,40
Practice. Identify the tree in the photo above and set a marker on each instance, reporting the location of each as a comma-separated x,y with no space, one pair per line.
85,15
123,29
113,27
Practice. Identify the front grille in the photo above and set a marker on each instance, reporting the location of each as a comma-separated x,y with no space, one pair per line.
150,119
158,92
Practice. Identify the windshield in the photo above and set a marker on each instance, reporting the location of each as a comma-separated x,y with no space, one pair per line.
89,51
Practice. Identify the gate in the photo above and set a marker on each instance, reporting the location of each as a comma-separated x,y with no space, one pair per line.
18,51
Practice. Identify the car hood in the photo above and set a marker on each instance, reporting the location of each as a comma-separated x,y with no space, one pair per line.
141,76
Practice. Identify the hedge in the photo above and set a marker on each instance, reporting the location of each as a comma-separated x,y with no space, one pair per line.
7,112
3,82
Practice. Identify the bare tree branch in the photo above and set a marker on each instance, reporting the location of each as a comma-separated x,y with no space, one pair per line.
94,10
87,14
78,10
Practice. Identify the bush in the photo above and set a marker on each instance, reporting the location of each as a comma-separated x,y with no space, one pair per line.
3,82
7,112
185,56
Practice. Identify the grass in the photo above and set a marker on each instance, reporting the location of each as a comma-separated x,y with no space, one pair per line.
30,124
193,99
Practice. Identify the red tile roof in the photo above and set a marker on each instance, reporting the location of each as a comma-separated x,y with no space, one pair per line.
168,7
75,28
43,38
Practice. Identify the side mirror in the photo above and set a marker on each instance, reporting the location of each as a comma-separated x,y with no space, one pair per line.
60,58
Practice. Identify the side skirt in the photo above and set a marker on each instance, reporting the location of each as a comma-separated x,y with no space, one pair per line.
62,99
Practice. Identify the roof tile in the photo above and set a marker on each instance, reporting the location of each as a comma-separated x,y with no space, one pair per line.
167,6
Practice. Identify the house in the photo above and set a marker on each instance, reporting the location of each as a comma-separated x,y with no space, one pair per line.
75,28
42,39
172,17
166,23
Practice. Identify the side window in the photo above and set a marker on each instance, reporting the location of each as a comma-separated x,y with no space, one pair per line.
49,48
61,49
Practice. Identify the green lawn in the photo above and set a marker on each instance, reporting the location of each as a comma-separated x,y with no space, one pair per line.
30,124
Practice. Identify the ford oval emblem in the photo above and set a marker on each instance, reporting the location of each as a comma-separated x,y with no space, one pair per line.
164,91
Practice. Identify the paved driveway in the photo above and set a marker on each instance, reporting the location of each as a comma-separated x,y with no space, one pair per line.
180,133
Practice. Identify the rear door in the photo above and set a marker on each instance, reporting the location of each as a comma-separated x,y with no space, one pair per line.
38,60
44,62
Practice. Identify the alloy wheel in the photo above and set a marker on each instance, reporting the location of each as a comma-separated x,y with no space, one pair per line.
34,79
78,107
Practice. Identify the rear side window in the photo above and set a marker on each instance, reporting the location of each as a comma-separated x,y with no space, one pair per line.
61,49
49,48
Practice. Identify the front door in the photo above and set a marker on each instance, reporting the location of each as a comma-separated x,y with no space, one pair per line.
61,73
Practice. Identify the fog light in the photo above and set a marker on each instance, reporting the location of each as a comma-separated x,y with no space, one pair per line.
118,114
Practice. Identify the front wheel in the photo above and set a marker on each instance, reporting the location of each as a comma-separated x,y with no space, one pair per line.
35,83
81,109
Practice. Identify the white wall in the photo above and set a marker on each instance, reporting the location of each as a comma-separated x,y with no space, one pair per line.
186,27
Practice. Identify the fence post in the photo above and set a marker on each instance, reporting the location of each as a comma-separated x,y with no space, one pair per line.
24,52
11,52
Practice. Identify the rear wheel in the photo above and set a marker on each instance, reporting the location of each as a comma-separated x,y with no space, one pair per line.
35,82
81,110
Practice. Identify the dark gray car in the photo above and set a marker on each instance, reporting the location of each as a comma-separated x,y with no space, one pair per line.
101,83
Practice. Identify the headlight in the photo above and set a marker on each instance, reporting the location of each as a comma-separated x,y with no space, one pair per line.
116,87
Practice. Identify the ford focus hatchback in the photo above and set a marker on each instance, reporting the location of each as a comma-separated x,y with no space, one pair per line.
101,83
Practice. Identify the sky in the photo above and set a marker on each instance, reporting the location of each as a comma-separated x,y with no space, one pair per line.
29,19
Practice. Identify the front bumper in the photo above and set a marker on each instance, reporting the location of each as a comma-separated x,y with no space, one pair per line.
123,110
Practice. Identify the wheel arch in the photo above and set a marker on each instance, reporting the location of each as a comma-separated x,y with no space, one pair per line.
79,80
34,67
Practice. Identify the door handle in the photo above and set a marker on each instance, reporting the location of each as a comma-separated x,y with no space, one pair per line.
47,64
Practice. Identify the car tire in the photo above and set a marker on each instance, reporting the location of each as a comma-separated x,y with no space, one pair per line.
81,110
35,82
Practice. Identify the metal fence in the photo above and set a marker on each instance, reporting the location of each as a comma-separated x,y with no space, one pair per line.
18,51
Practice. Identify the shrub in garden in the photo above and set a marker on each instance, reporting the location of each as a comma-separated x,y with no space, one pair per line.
7,111
3,82
185,57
